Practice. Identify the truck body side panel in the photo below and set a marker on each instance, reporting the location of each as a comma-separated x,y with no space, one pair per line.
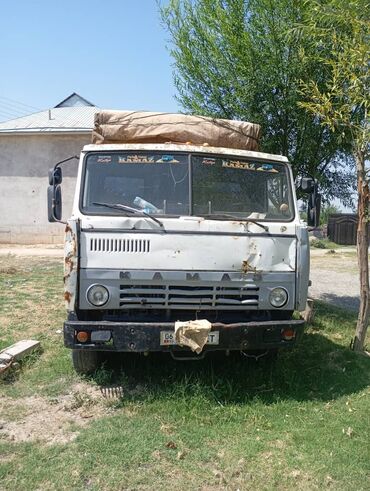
303,267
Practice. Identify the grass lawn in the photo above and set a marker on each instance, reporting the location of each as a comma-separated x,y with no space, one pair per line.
224,423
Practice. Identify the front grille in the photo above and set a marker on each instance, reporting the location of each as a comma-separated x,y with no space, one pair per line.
120,245
177,296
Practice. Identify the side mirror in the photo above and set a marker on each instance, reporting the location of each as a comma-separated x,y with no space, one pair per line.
55,176
55,191
54,203
313,209
307,185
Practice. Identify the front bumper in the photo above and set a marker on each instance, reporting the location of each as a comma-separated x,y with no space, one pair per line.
145,336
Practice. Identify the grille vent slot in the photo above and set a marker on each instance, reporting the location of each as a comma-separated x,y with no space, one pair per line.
188,297
132,246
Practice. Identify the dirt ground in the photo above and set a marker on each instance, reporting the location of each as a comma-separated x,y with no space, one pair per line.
334,277
41,250
50,419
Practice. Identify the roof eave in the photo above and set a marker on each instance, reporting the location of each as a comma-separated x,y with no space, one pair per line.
43,131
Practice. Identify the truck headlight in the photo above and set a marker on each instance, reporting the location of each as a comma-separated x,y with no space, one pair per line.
278,297
97,295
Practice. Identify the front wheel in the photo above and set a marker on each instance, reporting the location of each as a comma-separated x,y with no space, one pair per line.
85,362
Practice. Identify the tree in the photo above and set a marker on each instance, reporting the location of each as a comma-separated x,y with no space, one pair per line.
326,212
234,59
342,105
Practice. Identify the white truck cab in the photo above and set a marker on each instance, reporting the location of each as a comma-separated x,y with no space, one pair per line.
164,235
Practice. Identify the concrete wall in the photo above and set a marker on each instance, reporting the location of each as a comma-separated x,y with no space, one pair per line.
24,164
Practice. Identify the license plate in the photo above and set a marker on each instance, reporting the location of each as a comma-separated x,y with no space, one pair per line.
168,338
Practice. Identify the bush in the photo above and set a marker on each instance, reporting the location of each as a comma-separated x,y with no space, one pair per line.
323,244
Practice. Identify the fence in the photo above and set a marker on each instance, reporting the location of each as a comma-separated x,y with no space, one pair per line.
342,228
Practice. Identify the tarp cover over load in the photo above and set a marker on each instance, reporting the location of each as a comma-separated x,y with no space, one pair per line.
148,127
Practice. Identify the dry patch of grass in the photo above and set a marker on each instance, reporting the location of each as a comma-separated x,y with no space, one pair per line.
338,261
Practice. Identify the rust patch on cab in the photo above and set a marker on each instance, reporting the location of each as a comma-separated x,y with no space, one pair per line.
67,296
248,268
70,265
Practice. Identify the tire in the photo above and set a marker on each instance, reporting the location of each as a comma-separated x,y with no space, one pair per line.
85,362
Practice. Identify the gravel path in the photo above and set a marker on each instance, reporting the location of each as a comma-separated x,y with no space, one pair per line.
335,278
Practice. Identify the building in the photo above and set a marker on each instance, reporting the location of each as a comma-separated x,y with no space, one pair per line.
29,146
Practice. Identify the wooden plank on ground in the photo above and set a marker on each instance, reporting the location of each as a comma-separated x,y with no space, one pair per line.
16,352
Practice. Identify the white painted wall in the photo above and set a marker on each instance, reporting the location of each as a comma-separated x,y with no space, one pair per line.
24,164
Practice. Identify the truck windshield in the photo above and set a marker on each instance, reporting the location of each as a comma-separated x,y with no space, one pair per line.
241,188
152,182
157,183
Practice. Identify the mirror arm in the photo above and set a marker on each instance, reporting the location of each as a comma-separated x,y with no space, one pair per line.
65,160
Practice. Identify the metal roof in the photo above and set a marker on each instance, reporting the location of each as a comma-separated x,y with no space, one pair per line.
56,120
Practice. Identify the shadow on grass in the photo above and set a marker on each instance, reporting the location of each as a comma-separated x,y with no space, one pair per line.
344,301
316,369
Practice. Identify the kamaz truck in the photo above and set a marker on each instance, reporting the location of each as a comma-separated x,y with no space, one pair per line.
183,238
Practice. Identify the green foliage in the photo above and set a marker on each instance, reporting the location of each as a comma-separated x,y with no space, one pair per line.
236,60
342,103
303,215
326,212
318,244
323,244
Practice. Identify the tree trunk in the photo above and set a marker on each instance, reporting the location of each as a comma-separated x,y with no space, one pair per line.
362,252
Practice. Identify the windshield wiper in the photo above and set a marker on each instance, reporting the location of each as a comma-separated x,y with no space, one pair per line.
129,209
220,216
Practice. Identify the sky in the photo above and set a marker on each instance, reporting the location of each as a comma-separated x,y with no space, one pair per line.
113,53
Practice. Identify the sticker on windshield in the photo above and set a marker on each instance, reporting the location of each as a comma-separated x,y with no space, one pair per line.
208,161
104,159
136,159
237,164
267,168
167,159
